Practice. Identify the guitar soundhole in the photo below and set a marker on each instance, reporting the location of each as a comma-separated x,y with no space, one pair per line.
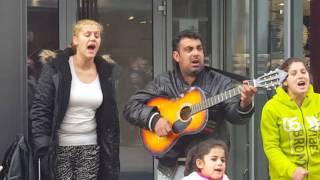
185,113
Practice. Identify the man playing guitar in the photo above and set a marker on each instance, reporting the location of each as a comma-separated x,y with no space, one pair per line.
189,72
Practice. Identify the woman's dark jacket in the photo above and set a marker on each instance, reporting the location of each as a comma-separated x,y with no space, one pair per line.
172,85
49,107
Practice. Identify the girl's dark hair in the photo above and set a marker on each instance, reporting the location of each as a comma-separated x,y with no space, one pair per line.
285,66
199,151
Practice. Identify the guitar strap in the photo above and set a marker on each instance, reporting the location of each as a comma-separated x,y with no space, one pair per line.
234,76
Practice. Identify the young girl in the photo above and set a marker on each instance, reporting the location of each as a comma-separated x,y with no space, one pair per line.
207,161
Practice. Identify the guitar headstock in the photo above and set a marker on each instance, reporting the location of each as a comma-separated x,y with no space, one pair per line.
271,79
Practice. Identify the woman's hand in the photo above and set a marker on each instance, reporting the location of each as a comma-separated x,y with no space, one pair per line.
299,173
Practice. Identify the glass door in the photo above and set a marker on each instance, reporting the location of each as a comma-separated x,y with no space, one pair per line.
171,17
127,41
212,19
200,16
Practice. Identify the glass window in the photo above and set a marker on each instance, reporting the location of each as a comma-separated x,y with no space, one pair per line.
270,35
276,32
306,28
43,33
193,15
274,53
127,40
237,60
237,42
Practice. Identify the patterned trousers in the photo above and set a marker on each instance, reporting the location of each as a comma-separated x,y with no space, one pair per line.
77,162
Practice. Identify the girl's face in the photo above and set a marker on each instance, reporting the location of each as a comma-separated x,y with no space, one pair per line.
87,41
298,80
213,164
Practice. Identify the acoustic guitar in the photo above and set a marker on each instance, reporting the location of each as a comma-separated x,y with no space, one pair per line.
188,114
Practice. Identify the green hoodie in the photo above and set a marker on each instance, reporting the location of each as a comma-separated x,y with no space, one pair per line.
291,135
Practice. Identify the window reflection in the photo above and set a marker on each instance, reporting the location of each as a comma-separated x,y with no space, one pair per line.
238,45
196,16
128,42
276,31
306,29
43,33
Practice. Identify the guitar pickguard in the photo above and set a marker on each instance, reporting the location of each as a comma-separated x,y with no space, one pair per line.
184,120
179,126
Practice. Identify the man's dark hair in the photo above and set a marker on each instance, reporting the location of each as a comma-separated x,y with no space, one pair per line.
184,34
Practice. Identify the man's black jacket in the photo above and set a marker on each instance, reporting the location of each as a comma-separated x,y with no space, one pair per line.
171,84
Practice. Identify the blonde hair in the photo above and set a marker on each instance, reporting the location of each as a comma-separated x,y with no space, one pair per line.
80,24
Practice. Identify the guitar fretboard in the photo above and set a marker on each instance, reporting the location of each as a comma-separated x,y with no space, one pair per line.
216,99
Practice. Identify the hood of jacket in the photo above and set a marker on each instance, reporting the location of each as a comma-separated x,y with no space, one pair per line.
283,97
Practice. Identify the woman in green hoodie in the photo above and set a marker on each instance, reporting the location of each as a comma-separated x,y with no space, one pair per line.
290,126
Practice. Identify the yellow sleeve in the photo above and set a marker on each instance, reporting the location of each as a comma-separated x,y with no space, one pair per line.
278,161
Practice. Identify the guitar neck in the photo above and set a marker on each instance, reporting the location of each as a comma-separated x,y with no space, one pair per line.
217,99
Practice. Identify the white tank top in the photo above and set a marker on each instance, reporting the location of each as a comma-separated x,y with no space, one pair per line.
79,124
